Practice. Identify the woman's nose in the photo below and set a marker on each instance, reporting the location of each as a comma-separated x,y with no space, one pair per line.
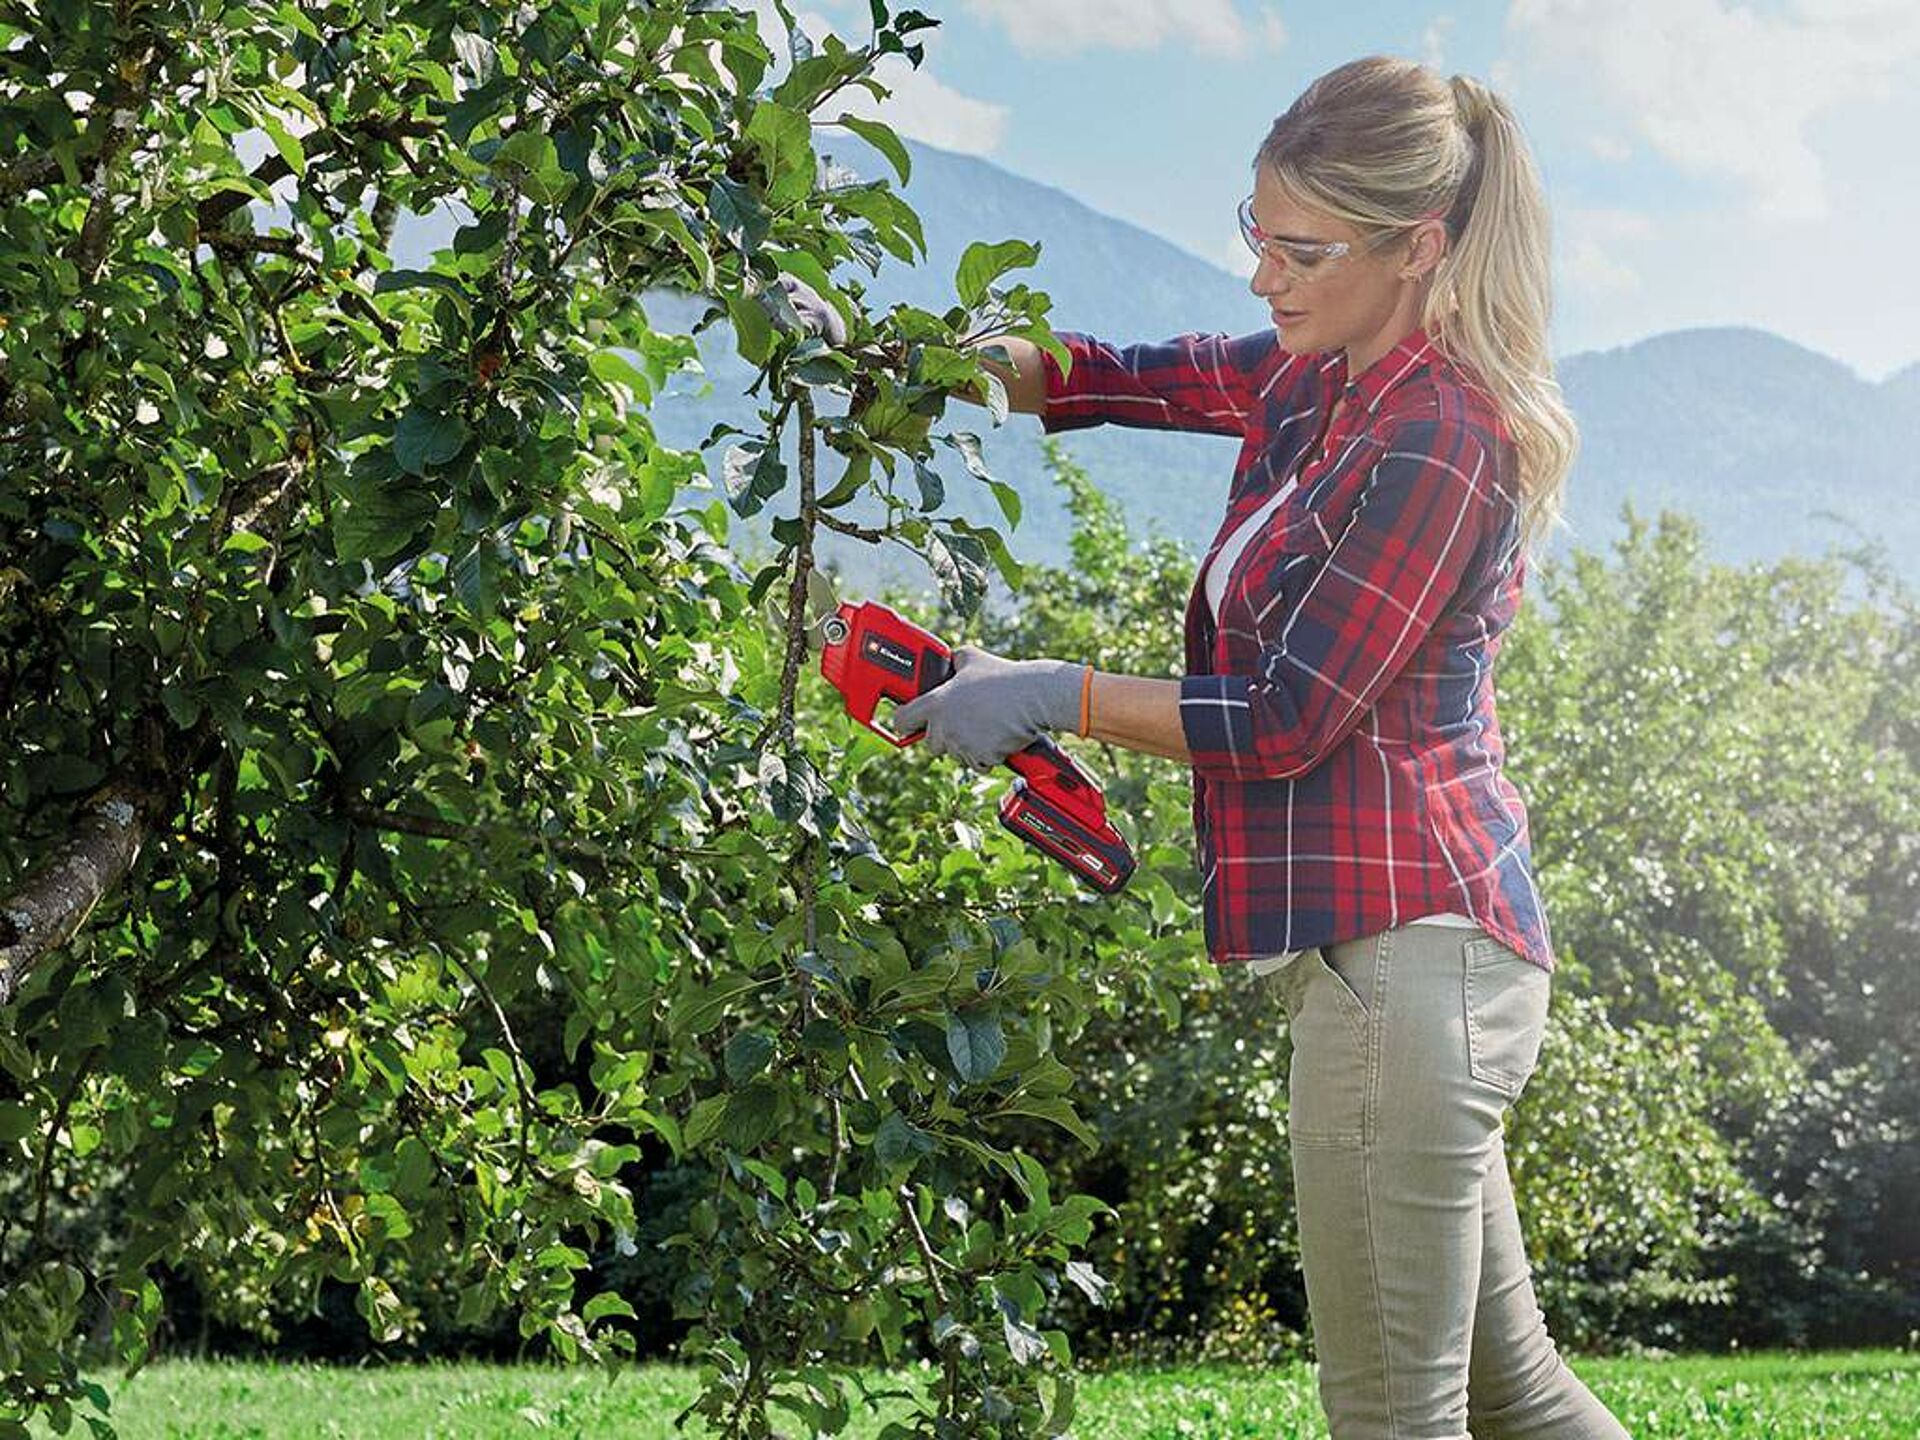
1269,277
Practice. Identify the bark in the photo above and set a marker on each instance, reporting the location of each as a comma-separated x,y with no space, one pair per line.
53,900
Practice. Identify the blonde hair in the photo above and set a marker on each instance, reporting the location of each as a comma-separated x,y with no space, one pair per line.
1382,144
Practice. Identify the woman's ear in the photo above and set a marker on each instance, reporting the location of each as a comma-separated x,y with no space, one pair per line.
1427,244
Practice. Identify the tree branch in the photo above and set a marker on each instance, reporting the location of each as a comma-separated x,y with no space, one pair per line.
435,827
217,207
29,174
246,242
55,898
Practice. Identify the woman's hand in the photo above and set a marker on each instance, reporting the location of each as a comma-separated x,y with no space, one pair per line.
993,707
817,317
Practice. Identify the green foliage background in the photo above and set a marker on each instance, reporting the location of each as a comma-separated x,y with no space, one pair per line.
426,875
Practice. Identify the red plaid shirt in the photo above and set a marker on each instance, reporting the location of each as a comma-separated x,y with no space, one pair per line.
1346,758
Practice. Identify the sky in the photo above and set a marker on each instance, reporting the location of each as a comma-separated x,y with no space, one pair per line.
1706,162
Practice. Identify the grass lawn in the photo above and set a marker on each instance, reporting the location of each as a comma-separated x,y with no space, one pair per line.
1864,1395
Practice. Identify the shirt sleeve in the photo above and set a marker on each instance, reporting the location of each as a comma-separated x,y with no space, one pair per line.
1428,504
1191,382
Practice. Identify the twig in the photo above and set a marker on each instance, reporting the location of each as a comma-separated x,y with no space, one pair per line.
436,827
41,1185
858,532
782,719
518,1061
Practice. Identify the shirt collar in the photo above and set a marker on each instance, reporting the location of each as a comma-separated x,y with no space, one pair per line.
1373,384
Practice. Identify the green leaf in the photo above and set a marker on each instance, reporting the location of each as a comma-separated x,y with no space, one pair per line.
706,1006
933,491
607,1303
288,145
530,160
995,548
613,367
754,473
895,224
704,1122
899,1142
413,1168
17,1122
976,1043
750,1117
883,139
809,271
752,328
673,226
383,524
784,139
425,438
871,876
791,784
392,1214
747,1055
388,281
527,150
1057,1109
1009,499
981,264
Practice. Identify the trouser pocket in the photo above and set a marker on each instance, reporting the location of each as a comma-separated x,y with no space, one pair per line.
1329,1075
1505,998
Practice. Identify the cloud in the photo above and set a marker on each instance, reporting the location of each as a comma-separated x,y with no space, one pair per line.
1721,90
1067,27
1597,246
1433,42
922,108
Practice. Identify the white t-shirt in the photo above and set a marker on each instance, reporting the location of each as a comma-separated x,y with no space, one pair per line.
1216,584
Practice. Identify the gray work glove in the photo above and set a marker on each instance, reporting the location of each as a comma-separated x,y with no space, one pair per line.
817,315
993,707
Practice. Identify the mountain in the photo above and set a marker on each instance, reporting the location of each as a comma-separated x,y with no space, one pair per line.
1760,439
1774,448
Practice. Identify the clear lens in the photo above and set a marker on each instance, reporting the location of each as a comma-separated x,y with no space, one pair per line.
1304,260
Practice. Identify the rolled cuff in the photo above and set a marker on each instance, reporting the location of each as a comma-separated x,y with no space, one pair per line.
1226,740
1058,413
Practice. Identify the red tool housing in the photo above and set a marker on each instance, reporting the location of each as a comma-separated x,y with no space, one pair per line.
872,652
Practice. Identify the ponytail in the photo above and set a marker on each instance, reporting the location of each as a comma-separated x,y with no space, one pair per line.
1490,300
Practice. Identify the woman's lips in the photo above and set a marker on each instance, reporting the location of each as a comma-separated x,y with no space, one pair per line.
1287,317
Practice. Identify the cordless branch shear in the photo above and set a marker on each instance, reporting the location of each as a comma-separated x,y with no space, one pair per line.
870,652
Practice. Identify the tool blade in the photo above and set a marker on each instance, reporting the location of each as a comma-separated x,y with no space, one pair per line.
821,603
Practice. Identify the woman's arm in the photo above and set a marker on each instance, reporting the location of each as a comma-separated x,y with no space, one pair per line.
1025,379
1207,383
1138,713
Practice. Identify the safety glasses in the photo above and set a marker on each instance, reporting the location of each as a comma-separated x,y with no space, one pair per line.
1304,259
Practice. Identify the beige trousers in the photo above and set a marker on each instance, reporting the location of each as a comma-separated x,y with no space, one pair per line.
1407,1048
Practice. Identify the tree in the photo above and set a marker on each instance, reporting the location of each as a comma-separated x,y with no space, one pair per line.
367,699
1722,787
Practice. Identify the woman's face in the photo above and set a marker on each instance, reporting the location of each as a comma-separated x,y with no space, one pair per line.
1363,302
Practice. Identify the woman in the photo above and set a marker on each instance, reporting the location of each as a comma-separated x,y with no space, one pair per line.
1404,443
